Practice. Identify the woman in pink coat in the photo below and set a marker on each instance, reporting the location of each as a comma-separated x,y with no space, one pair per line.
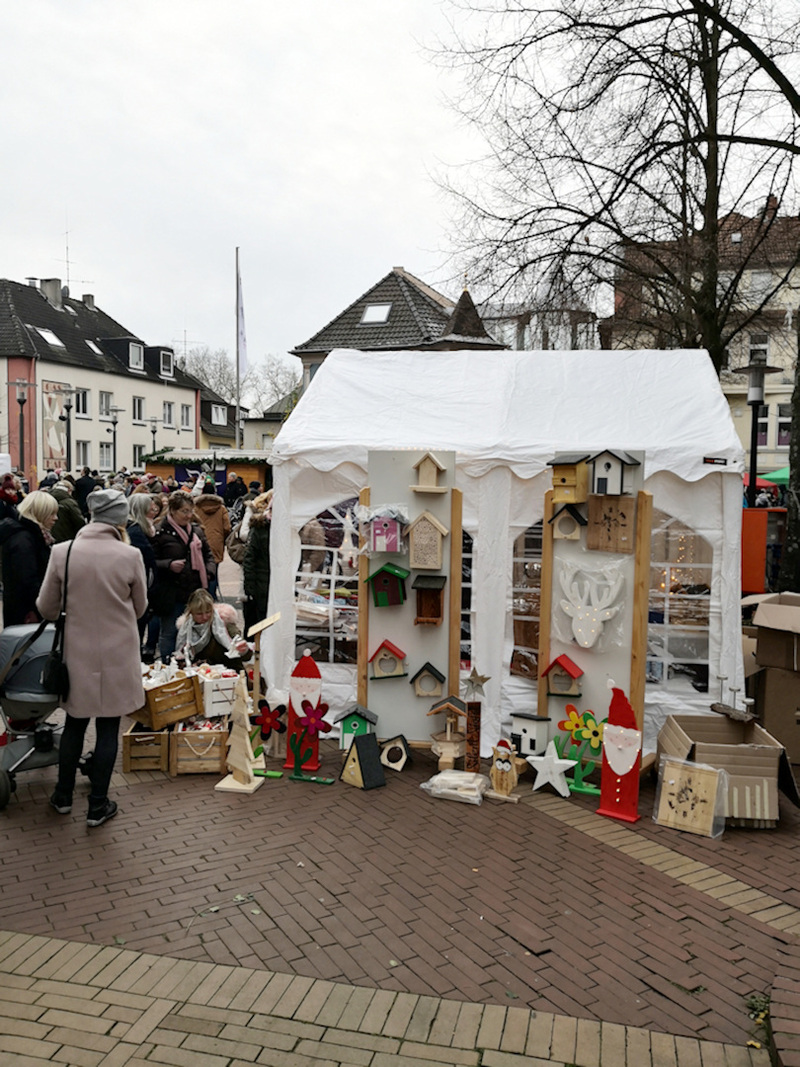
106,594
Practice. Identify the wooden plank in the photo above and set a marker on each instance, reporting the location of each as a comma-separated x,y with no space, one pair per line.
611,523
641,598
454,613
545,601
362,652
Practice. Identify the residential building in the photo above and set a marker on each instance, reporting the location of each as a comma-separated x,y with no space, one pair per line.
217,420
83,390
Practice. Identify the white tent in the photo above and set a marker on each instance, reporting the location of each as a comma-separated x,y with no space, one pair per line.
505,414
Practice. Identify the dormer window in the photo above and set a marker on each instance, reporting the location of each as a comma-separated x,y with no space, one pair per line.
167,358
49,336
94,348
219,414
135,356
375,314
736,238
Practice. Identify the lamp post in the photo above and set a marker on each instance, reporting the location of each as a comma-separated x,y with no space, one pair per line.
154,421
22,395
755,370
65,418
112,429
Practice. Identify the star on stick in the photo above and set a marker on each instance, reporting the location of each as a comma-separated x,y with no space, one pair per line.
473,686
550,770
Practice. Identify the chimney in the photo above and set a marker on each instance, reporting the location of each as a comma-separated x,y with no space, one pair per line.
88,300
51,287
772,206
32,281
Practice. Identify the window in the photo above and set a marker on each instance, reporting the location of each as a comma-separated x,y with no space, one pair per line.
375,314
525,593
136,356
104,404
169,414
679,607
137,406
82,405
48,336
763,424
97,351
219,414
784,425
167,364
759,347
82,454
106,456
761,285
138,457
186,416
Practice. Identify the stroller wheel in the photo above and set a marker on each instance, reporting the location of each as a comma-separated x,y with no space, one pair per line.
85,764
6,788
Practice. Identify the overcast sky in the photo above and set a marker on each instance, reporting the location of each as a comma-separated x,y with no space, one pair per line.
161,134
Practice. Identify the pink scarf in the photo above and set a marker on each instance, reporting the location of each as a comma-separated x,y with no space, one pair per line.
196,560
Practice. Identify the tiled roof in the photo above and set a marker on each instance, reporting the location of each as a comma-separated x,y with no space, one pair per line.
418,316
25,308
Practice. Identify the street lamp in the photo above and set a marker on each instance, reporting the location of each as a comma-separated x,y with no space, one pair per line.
755,370
154,421
68,394
112,429
22,395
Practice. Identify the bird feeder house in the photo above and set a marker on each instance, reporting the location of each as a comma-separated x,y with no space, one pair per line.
428,470
428,681
563,678
609,475
388,661
570,477
355,722
388,585
567,522
385,535
430,599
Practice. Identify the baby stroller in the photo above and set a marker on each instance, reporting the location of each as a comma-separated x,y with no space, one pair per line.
27,740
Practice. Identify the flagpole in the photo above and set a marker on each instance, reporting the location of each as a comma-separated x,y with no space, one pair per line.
238,372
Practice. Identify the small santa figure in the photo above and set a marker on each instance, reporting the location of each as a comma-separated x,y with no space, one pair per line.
305,685
622,758
503,774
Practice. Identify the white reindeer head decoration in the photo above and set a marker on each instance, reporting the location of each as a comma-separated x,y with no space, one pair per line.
588,608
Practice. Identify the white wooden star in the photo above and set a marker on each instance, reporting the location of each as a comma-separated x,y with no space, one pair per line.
550,770
473,686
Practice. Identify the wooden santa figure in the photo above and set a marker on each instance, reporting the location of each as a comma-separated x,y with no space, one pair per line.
622,758
304,685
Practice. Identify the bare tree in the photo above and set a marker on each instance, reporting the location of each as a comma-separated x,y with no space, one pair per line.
621,137
264,383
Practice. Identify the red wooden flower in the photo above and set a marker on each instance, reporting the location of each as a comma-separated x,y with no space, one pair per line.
313,720
270,719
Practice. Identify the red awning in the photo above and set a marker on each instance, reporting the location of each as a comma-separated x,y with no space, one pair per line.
761,483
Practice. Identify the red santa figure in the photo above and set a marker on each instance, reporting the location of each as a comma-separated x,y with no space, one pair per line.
622,758
304,685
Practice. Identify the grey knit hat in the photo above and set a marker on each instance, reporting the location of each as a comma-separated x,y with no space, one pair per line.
108,505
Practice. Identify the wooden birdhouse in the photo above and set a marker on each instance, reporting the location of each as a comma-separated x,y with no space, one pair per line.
428,681
388,585
362,766
567,522
395,753
386,535
529,733
608,472
354,722
430,599
426,542
563,678
428,470
453,708
388,661
570,477
449,744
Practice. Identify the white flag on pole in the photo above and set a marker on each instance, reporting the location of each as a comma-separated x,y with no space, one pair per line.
241,340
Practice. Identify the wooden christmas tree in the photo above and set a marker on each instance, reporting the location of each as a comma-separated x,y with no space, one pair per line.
240,751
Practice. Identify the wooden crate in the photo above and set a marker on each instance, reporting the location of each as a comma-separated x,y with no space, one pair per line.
145,750
170,703
198,751
218,696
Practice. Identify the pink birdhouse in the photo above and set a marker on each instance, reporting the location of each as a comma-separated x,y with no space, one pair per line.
385,535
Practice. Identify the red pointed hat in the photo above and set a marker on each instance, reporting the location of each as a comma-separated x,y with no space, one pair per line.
502,743
620,712
306,667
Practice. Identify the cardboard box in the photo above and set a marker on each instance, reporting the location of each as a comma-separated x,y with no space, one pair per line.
169,703
198,751
749,754
778,708
144,750
218,696
777,620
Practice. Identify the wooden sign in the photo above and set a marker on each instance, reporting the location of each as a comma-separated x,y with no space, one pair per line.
688,797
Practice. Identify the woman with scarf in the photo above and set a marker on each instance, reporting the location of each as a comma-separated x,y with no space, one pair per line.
184,562
204,636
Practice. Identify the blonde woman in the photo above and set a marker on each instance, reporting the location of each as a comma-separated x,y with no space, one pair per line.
25,540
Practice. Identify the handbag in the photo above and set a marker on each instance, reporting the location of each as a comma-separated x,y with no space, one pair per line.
55,675
236,548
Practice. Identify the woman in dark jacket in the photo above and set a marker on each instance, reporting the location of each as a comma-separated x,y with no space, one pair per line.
184,562
256,566
25,542
142,510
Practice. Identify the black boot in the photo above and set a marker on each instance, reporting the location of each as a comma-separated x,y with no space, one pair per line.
100,810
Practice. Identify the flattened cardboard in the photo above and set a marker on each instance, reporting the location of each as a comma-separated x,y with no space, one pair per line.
778,708
777,619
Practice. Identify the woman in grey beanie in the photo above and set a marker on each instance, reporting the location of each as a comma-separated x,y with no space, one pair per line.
106,593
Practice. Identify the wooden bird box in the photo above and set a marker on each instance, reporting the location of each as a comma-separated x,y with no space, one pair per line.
362,766
567,522
395,753
426,542
608,472
386,535
430,599
570,477
388,661
428,681
563,677
529,733
354,722
428,470
388,585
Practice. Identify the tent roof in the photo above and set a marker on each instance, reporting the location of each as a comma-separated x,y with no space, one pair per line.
515,409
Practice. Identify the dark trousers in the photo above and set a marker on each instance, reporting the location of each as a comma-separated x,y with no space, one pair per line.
102,762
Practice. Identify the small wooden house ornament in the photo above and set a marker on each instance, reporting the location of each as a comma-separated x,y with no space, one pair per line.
362,766
430,599
428,681
529,733
450,743
388,585
563,678
388,661
385,535
608,472
354,722
428,470
567,522
426,542
570,477
395,753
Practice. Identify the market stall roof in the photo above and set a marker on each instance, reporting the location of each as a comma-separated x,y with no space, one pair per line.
515,409
761,483
778,477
